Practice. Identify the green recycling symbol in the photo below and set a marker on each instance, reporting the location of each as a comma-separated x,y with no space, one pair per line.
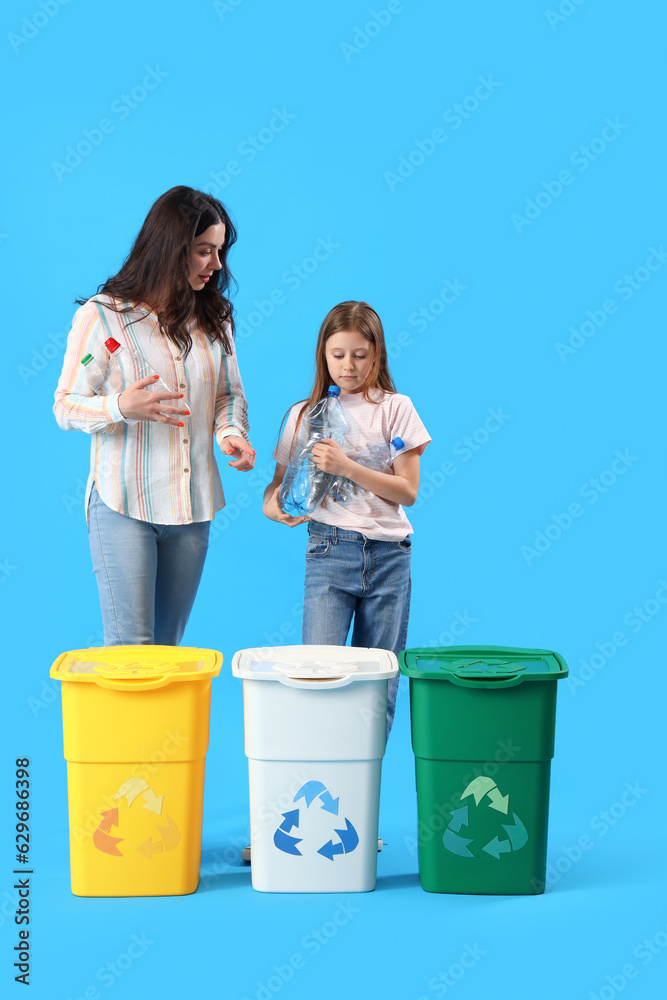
481,788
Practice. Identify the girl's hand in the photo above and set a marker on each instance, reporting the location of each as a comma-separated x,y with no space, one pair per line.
139,403
245,452
328,456
274,511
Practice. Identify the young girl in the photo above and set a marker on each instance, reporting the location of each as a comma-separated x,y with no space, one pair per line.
358,555
154,486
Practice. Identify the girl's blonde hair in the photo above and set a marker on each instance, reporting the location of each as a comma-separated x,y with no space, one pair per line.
354,317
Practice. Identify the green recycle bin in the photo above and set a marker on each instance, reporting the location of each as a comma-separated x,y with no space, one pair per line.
483,720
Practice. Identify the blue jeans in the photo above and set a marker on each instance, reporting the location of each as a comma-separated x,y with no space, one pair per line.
147,574
348,574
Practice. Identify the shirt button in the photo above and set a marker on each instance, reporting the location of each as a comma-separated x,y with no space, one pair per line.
185,440
181,385
186,470
179,358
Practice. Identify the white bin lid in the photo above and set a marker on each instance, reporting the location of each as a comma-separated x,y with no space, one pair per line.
309,664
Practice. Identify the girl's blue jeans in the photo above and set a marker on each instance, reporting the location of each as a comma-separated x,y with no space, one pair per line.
147,574
350,575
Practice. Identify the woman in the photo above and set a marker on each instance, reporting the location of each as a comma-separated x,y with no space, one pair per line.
154,485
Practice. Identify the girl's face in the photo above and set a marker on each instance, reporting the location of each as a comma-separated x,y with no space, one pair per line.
349,358
204,257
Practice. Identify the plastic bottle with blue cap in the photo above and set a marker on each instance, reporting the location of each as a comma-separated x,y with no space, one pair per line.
304,486
379,457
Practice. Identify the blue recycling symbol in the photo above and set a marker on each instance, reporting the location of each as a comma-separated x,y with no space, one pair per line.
312,790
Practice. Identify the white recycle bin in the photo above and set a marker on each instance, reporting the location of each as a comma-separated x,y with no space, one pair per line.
315,723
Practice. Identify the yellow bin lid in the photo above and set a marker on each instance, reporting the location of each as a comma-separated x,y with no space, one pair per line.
136,668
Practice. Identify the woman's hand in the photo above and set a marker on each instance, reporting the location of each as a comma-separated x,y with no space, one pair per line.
245,452
328,456
272,509
139,403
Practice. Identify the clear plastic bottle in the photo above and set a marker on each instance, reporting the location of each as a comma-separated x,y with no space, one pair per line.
377,456
133,367
304,486
95,374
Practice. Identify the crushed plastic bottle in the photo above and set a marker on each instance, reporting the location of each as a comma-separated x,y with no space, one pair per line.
133,367
304,486
95,374
377,456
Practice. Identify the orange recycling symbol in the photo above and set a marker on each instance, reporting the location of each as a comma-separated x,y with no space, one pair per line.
168,833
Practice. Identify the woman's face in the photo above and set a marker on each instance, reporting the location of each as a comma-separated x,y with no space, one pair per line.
204,257
349,359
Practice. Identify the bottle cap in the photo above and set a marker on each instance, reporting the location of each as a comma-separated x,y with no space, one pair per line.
333,390
87,359
111,345
398,443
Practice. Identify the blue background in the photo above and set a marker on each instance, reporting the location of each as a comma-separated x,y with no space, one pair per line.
493,543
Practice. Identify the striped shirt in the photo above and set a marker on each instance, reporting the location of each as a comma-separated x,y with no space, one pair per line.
145,469
392,415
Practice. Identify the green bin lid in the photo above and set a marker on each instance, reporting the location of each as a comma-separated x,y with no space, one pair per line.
482,666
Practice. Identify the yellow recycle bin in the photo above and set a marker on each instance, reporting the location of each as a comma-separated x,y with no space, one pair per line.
135,725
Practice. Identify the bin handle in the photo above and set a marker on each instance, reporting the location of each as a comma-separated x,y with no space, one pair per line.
315,683
149,684
466,681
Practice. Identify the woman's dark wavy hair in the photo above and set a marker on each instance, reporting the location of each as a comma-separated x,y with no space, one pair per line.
155,272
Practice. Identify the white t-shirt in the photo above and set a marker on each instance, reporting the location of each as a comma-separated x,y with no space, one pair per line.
391,415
